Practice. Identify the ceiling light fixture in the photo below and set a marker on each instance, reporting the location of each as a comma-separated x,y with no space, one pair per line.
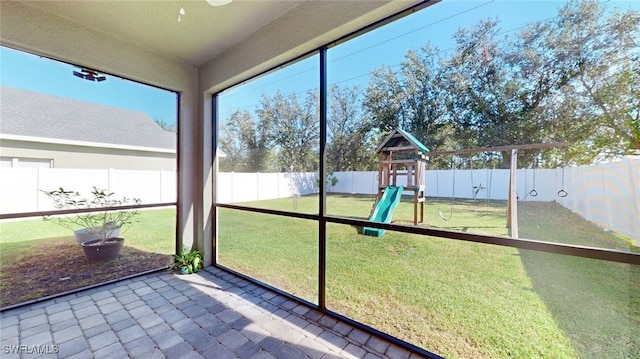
218,2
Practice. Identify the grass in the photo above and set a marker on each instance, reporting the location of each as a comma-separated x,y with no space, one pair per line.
479,216
39,259
455,298
596,303
277,250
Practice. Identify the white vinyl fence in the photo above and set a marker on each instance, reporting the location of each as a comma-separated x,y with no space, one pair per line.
21,188
489,184
245,187
606,194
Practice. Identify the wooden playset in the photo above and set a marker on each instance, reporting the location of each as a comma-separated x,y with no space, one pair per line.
402,155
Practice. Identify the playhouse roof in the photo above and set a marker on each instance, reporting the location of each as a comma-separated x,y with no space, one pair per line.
396,139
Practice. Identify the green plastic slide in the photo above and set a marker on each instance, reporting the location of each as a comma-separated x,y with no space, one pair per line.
384,210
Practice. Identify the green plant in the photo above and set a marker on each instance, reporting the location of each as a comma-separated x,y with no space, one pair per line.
332,180
189,259
97,223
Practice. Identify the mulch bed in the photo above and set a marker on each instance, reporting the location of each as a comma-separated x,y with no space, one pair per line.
59,266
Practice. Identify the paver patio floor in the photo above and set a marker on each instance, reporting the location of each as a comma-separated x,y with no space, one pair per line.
211,314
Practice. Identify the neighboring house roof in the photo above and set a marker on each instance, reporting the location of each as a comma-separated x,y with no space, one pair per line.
34,114
399,137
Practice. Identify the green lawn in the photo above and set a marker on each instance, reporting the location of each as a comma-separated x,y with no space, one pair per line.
154,230
458,299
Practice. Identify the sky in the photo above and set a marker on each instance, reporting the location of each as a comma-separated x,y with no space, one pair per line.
349,63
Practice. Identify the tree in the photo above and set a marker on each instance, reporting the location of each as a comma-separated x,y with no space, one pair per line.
571,78
246,144
425,101
255,137
349,145
498,89
584,64
293,129
608,81
413,99
382,102
574,80
232,146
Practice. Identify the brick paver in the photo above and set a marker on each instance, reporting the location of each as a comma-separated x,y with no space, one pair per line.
211,314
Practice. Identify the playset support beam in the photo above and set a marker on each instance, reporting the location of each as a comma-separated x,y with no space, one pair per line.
501,148
512,202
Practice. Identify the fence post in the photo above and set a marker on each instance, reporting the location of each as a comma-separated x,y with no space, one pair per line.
257,186
39,174
160,189
634,177
109,177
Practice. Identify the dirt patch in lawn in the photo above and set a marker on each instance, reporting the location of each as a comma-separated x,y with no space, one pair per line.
59,266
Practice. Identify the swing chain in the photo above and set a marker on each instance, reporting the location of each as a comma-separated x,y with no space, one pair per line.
453,173
562,193
533,192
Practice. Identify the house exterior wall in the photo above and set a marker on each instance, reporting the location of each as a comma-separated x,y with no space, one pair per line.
89,157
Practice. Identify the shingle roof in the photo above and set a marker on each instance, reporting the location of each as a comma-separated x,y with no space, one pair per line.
34,114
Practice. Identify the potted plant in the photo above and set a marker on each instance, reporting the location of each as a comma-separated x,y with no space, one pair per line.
187,262
97,232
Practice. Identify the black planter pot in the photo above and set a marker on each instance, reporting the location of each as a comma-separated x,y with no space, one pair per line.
102,252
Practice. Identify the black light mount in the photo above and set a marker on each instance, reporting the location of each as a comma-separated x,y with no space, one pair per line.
89,74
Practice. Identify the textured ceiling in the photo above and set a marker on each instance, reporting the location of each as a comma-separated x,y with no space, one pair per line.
204,31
